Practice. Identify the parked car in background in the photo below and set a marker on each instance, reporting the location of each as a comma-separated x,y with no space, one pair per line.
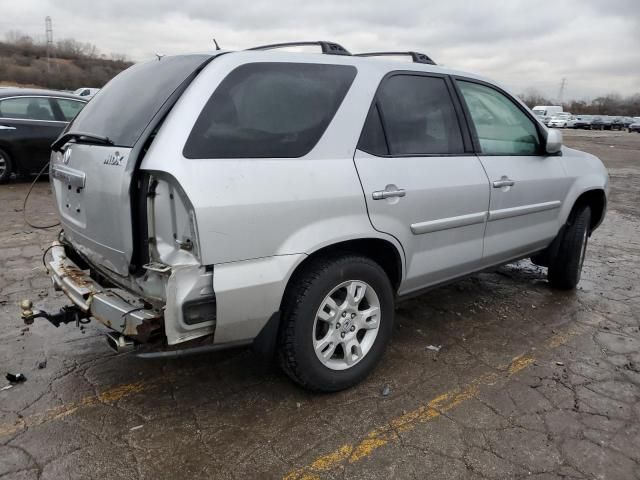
607,122
30,120
161,218
545,112
86,92
626,121
560,120
617,123
582,121
634,127
597,123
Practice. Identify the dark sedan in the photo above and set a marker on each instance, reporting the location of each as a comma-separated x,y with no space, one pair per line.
30,120
597,123
582,121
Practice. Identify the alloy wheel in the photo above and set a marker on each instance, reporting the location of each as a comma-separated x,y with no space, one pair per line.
346,325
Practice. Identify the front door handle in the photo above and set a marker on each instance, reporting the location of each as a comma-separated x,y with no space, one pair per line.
504,182
389,192
4,127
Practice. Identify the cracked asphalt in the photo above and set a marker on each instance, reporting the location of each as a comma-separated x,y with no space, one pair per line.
528,383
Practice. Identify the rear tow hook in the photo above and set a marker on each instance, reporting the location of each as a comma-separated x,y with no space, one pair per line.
67,314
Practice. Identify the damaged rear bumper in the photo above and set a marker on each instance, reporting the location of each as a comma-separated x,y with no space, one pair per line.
190,314
115,308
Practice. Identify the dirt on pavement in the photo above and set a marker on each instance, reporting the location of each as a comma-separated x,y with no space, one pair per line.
528,383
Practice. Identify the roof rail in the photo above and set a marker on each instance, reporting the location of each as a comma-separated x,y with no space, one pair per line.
328,48
417,57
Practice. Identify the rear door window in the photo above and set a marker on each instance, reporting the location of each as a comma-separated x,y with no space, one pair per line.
418,116
27,108
269,110
69,108
126,105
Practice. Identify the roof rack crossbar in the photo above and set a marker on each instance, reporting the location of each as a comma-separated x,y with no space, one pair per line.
417,57
328,48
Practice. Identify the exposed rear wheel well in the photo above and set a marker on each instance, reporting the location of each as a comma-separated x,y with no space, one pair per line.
596,201
382,252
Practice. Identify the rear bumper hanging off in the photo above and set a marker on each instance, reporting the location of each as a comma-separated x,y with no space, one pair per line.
119,311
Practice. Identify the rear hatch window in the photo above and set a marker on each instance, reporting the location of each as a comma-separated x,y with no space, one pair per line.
125,106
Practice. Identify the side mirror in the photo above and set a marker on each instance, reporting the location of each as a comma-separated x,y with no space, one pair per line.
554,141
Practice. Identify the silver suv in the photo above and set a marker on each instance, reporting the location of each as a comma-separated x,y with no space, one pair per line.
288,199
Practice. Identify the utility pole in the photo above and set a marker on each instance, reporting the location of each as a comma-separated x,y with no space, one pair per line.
563,83
49,37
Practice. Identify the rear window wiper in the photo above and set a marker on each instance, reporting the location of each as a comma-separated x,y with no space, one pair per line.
80,137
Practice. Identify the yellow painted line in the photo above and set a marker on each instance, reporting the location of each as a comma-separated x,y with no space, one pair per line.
520,363
109,396
381,436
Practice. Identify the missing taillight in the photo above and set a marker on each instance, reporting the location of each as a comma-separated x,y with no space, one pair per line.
199,311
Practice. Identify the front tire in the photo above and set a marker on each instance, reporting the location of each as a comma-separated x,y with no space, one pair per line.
337,321
565,269
6,166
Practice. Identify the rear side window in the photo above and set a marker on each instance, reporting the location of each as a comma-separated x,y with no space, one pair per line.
27,108
126,105
69,108
418,116
269,110
502,128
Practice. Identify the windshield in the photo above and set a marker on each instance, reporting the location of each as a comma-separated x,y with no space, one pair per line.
125,106
540,113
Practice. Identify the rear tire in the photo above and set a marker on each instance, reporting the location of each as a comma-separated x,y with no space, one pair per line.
328,342
6,166
565,269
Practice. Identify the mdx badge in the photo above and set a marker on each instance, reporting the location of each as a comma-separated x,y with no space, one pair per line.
114,159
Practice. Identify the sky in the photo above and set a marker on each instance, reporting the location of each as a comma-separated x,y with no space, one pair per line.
524,44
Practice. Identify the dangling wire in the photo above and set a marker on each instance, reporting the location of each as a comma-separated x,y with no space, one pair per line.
24,204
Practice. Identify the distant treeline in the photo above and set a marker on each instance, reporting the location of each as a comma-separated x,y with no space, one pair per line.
612,104
71,65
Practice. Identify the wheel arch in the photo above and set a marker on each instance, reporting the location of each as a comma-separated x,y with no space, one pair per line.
384,252
596,200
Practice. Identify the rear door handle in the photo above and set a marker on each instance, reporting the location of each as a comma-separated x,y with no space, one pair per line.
504,182
4,127
389,192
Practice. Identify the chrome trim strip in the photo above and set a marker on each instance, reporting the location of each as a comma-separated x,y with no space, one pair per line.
4,127
523,210
71,176
33,120
446,223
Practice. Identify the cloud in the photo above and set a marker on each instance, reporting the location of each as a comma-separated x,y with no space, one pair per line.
595,45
